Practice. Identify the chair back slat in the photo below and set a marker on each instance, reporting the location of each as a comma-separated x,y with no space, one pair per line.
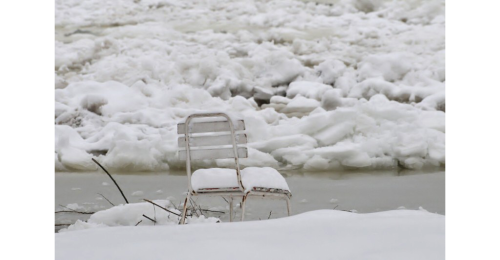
202,139
211,126
214,153
211,140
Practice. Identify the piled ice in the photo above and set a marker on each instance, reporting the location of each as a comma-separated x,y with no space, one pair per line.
321,84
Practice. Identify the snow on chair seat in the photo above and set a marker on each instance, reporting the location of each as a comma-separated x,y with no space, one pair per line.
214,179
213,138
263,179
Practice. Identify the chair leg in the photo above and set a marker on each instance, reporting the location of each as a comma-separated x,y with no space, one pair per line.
184,210
288,206
243,206
231,209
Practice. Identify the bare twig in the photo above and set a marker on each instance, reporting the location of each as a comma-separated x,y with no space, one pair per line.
175,207
154,221
336,207
193,207
106,199
196,207
74,211
213,211
154,210
162,207
66,207
270,212
225,199
111,179
201,212
139,222
58,225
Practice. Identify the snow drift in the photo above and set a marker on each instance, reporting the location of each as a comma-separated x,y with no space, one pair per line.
321,85
133,214
322,234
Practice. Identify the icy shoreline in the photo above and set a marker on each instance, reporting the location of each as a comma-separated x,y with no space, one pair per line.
311,191
321,86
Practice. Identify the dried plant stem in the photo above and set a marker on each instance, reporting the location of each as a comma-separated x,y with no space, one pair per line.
106,199
154,221
74,211
111,179
162,207
193,207
213,211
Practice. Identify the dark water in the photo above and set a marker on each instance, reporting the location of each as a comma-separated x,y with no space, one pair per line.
359,191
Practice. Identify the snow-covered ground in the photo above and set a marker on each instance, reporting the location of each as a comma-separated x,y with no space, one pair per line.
321,84
324,234
133,215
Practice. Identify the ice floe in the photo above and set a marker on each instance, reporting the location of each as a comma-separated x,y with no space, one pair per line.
321,85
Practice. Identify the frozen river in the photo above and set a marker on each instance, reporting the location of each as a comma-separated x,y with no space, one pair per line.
359,191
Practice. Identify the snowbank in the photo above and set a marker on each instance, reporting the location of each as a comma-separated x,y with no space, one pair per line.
133,214
333,84
324,234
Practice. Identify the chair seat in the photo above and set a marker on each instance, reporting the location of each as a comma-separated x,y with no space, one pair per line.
260,179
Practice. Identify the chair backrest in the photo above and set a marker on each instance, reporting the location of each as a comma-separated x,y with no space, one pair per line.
215,136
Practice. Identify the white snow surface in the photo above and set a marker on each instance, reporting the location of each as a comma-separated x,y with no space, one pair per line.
214,178
322,234
320,84
132,215
263,177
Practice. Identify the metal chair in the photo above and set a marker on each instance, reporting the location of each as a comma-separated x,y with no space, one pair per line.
213,138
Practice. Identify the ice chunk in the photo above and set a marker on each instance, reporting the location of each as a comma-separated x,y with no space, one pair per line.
138,193
307,89
255,158
330,70
391,66
316,163
119,92
331,99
